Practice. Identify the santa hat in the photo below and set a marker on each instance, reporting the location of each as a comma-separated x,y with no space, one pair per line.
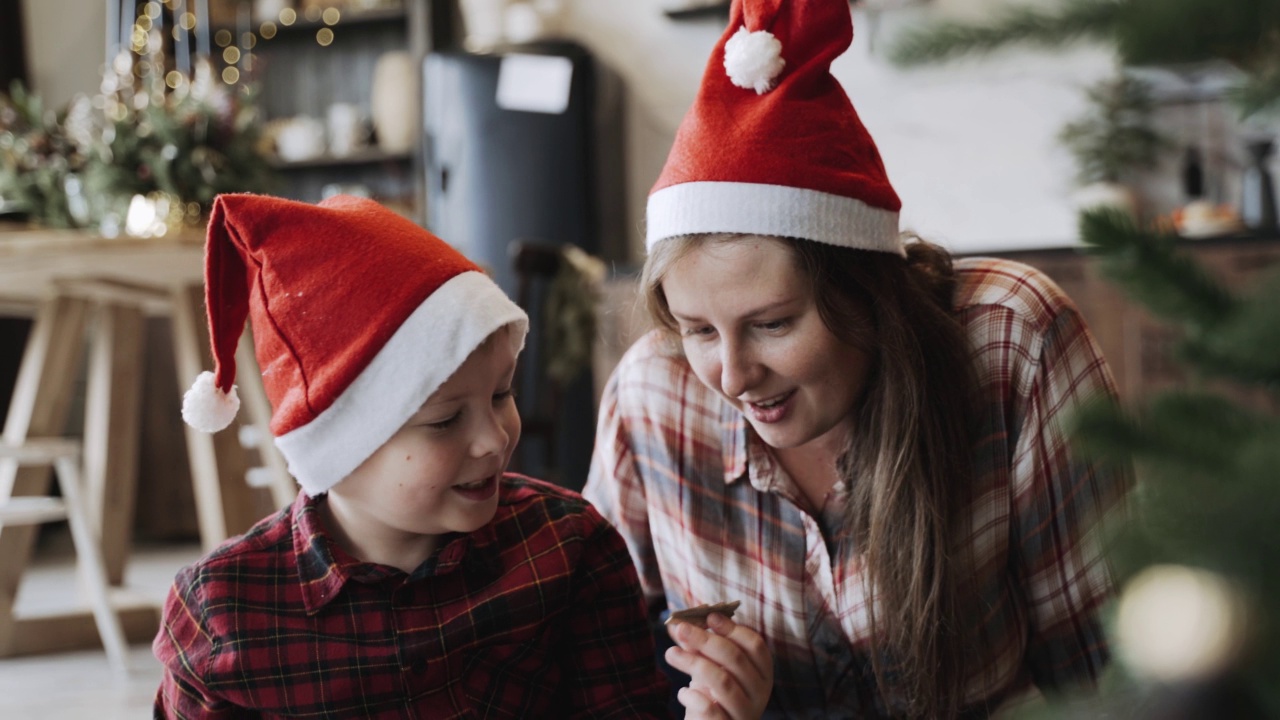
358,315
772,145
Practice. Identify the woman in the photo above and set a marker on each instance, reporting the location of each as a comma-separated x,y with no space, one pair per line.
860,441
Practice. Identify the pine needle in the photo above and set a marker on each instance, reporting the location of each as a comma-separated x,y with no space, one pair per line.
1076,19
1149,268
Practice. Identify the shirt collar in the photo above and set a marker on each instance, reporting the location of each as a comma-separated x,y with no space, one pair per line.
745,453
733,441
321,574
324,568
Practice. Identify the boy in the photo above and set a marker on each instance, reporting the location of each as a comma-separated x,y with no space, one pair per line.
411,578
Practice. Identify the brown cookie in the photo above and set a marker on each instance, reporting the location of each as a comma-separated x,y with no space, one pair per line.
698,615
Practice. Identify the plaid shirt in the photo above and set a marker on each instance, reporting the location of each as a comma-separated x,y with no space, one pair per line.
710,516
537,614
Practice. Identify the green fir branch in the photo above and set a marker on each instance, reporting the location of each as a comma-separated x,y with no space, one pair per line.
1183,432
1149,268
1115,136
1246,348
1075,20
1260,92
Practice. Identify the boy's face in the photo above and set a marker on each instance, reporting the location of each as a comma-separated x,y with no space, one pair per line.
439,473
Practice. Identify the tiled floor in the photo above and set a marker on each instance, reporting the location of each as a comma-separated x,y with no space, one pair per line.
81,685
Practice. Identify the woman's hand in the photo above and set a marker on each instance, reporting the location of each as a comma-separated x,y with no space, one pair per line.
730,668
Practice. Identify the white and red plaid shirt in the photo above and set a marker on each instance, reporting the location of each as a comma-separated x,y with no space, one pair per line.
710,516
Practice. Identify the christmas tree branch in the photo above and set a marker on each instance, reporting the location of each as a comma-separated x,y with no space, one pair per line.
1075,20
1245,349
1183,432
1148,266
1261,91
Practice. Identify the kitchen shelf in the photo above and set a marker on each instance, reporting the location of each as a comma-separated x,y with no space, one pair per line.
694,12
350,18
371,156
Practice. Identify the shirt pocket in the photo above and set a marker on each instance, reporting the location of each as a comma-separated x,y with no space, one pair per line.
505,678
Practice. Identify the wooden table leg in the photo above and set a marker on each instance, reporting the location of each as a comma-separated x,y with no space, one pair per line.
225,504
39,407
257,409
113,402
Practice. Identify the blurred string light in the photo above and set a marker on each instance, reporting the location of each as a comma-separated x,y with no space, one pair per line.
159,38
1179,624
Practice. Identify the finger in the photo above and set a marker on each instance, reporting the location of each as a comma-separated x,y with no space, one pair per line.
750,641
698,705
717,684
736,648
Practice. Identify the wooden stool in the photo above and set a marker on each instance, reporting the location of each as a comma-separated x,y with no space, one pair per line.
109,314
64,456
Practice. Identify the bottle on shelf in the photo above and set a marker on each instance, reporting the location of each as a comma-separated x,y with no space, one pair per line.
1258,198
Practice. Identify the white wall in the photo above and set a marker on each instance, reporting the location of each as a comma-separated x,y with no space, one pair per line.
66,46
970,147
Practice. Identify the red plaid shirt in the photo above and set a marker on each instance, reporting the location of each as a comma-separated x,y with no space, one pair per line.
538,614
710,516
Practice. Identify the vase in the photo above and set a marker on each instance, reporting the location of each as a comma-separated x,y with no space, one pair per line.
393,102
1258,192
485,22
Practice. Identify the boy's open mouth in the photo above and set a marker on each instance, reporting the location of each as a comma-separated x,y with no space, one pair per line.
478,490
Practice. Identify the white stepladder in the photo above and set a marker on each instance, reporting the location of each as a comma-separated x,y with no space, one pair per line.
63,455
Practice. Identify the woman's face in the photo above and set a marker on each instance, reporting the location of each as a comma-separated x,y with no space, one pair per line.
750,327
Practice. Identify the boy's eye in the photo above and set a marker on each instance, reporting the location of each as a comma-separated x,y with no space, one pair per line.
446,423
503,395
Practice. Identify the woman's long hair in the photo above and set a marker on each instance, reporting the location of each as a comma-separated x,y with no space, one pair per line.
909,464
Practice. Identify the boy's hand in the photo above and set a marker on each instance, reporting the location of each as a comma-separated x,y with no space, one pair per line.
730,668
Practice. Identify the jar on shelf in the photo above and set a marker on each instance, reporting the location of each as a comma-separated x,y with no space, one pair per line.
393,102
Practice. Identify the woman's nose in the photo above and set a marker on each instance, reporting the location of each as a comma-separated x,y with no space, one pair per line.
739,372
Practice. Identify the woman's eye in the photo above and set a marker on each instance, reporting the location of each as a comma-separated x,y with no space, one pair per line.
772,325
446,423
503,395
698,331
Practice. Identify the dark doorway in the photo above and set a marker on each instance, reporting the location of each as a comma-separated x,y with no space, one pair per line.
13,58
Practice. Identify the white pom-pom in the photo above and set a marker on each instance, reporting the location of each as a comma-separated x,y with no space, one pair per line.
753,60
206,408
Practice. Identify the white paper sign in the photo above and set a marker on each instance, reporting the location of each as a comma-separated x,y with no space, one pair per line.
535,83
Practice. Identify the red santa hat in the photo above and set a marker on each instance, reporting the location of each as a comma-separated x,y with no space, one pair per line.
358,315
772,145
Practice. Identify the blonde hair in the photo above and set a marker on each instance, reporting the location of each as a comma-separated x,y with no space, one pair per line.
910,462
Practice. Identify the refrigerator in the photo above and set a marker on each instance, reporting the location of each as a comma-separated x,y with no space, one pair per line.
524,144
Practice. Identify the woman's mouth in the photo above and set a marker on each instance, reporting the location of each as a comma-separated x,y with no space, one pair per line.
773,409
478,490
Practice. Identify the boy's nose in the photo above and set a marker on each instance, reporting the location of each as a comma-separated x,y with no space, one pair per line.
491,436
